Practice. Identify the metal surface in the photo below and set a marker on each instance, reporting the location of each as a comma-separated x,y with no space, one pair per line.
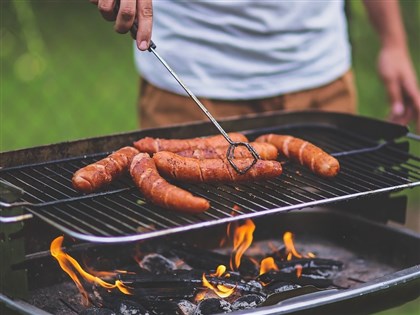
369,166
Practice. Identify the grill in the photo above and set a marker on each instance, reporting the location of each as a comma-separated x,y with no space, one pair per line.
350,211
369,165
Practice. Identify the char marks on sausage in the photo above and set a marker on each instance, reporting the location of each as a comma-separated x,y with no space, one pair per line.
153,145
266,151
158,191
101,173
304,152
194,170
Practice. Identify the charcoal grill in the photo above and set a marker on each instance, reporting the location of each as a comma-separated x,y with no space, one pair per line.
375,161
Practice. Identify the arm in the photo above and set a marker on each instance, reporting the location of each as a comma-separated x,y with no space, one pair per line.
394,65
129,11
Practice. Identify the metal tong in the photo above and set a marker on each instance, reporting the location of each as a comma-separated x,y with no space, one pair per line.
232,144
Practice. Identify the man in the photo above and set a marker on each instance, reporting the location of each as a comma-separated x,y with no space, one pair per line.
250,56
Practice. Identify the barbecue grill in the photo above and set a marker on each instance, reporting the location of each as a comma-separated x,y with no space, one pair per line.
375,161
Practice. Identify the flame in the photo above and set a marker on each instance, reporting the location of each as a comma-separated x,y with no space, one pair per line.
242,239
298,270
290,247
221,290
268,264
70,265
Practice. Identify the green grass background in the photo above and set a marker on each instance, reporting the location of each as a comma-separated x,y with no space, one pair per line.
66,75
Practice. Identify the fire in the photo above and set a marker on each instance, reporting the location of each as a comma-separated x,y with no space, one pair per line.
71,266
242,239
268,264
290,246
221,290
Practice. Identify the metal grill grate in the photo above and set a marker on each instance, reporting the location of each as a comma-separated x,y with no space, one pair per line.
120,213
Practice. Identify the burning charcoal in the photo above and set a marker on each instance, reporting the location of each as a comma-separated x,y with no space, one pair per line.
186,307
213,306
157,264
206,260
97,311
247,301
127,307
315,280
278,287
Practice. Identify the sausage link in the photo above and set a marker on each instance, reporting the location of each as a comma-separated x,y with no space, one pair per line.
266,151
307,154
193,170
101,173
153,145
158,191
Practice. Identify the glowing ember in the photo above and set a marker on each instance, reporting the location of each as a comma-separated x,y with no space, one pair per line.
71,266
221,290
268,264
243,236
298,270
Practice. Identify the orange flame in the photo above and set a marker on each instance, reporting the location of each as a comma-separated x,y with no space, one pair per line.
221,290
243,236
298,270
291,251
70,265
268,264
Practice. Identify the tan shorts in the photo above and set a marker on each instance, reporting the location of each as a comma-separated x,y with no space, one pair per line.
157,107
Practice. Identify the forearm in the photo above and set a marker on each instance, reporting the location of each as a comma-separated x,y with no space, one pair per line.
385,17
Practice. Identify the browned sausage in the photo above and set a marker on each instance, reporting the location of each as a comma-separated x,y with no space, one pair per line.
307,154
158,191
99,174
153,145
212,170
266,151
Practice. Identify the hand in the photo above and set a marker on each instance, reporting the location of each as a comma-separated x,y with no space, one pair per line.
398,74
129,11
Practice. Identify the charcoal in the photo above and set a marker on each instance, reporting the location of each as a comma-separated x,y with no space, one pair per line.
315,280
278,287
247,301
97,311
309,265
203,259
157,264
186,307
213,306
127,307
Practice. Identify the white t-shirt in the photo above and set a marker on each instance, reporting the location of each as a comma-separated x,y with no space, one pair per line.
247,49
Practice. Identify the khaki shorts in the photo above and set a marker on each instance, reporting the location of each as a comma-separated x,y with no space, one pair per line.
157,107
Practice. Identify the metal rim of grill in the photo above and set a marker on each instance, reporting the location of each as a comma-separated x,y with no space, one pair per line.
120,213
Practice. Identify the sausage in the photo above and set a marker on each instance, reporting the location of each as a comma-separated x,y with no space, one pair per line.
101,173
307,154
193,170
159,192
153,145
266,151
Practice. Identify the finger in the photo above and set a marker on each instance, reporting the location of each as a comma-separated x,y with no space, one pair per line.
106,7
126,16
145,20
394,93
411,94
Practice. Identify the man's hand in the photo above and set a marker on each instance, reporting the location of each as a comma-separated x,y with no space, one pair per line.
129,11
395,66
397,72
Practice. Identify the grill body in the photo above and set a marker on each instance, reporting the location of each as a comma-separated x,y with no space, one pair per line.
375,158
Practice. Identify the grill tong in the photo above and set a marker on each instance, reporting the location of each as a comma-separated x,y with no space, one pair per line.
232,144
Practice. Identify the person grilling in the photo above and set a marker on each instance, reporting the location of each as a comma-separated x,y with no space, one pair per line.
243,57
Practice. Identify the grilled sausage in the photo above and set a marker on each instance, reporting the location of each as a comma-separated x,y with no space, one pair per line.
153,145
307,154
99,174
158,191
266,151
193,170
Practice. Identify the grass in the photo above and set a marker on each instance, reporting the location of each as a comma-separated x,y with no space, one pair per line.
66,75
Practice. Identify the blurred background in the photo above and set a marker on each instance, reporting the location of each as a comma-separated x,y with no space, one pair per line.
66,75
